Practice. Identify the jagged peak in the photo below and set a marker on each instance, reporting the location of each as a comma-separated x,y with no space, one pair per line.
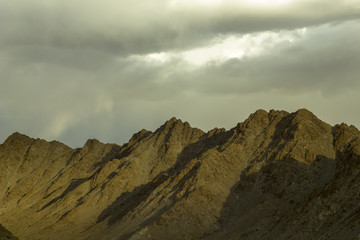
344,134
22,139
346,126
275,113
171,123
215,131
304,116
176,121
259,113
18,137
258,118
176,127
92,142
168,170
143,133
304,113
301,120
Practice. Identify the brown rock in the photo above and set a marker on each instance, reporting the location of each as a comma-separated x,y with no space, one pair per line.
5,234
277,175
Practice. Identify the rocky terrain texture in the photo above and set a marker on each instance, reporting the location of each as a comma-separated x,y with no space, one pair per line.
277,175
5,234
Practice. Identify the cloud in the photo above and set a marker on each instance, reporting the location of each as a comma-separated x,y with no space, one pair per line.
243,46
325,59
139,27
72,70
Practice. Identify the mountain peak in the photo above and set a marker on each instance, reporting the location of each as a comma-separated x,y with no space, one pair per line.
173,123
173,120
143,133
91,144
308,119
18,137
304,113
259,113
159,184
260,118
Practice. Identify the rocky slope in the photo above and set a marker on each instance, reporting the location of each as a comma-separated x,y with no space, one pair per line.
5,234
277,175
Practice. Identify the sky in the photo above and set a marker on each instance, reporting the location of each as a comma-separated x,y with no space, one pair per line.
71,70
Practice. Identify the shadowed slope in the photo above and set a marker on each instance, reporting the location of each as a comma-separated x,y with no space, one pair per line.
5,234
258,180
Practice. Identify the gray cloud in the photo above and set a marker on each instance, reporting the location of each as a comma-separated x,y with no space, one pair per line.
125,28
74,70
326,60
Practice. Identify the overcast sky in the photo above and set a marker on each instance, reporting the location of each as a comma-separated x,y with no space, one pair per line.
77,69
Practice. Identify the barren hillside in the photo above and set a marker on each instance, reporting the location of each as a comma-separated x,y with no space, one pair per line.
277,175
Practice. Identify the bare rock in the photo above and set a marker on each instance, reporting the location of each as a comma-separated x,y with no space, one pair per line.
277,175
5,234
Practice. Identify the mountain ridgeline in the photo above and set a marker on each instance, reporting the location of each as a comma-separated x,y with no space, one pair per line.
277,175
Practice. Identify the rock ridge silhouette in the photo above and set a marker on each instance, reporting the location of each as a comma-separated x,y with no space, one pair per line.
275,175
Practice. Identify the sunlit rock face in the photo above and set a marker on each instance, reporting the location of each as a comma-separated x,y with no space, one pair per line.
277,175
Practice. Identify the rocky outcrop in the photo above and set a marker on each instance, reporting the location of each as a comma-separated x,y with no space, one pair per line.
5,234
276,175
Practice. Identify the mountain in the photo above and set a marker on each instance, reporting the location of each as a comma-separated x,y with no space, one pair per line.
5,234
277,175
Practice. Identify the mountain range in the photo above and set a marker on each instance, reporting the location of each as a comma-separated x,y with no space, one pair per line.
277,175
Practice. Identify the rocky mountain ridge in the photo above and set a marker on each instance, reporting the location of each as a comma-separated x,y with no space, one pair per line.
276,175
